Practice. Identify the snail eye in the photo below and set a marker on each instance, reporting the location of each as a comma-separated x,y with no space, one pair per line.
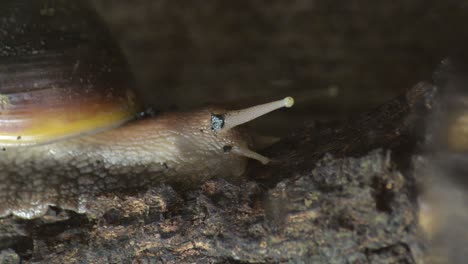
217,122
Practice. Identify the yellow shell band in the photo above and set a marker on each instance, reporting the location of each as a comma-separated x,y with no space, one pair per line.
44,127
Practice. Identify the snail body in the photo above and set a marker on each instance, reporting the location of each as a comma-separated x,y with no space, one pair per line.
70,122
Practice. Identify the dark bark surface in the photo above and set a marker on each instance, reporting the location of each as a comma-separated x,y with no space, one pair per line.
334,194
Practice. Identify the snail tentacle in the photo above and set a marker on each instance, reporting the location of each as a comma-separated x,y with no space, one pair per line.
239,117
71,126
225,122
246,152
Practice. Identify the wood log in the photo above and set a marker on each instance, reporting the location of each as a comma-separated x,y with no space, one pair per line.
338,193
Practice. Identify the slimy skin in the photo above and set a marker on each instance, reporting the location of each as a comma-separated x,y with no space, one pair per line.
171,148
67,108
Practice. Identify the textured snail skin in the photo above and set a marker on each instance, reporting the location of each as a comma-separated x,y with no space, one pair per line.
66,100
174,147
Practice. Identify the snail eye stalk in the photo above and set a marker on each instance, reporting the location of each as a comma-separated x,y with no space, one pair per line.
234,118
231,119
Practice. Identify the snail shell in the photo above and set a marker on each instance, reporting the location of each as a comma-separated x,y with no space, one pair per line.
68,126
60,75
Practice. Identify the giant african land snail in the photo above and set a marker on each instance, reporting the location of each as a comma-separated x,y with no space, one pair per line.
69,118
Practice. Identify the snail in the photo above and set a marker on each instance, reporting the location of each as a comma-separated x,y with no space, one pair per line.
71,125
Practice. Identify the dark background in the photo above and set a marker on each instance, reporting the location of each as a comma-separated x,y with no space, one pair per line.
335,57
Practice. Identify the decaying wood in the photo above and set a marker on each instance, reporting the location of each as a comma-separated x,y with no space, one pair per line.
334,194
396,125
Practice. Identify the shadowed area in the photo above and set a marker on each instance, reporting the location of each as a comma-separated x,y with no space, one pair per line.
340,186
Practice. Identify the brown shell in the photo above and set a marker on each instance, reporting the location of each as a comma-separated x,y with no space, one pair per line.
61,73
